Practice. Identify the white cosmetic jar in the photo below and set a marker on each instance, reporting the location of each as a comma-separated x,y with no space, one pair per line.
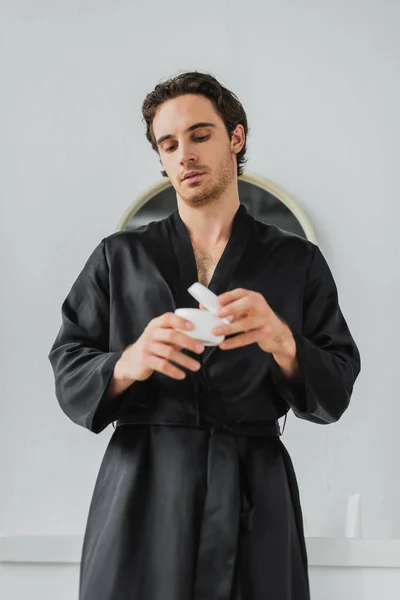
204,322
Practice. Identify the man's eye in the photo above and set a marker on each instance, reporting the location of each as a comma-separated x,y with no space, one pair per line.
169,149
202,138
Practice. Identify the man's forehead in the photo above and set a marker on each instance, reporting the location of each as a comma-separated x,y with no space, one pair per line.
179,114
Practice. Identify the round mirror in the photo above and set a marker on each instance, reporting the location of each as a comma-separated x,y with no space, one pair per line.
263,199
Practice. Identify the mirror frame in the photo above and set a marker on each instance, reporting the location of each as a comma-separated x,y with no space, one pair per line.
257,180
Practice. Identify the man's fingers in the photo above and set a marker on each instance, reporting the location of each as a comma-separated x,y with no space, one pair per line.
162,365
228,297
241,325
241,340
176,338
235,307
171,320
172,354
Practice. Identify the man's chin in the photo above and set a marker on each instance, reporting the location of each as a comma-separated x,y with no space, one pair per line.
197,200
201,196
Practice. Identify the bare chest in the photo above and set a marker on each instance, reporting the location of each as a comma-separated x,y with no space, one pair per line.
206,261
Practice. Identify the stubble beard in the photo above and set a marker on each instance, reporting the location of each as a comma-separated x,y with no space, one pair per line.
201,194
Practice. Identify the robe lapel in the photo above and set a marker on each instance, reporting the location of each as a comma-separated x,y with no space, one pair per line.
228,267
185,261
230,260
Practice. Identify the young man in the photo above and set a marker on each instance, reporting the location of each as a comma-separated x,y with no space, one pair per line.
196,496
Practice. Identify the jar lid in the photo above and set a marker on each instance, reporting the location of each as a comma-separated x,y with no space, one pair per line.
207,298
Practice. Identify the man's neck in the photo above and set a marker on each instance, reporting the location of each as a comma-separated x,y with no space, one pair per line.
210,225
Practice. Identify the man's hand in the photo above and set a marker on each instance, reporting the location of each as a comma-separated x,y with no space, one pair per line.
158,347
255,322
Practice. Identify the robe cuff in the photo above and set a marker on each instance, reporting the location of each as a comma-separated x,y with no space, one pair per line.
293,391
106,409
320,396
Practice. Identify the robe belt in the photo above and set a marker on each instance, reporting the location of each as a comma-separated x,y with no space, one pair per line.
228,508
228,511
245,429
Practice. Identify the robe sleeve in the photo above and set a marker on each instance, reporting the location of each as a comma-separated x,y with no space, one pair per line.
328,357
82,363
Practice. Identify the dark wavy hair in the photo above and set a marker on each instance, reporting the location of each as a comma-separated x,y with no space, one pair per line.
225,102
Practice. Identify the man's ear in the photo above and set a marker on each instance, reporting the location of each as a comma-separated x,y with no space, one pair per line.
238,139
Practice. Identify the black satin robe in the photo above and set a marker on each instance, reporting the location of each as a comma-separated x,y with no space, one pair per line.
196,497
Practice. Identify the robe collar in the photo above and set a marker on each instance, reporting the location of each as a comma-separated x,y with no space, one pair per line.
228,265
229,269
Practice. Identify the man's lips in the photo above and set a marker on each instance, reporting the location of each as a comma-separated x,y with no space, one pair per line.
192,176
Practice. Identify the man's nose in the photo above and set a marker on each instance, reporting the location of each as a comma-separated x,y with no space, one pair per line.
187,154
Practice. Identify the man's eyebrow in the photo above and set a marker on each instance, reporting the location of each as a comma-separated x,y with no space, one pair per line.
168,136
